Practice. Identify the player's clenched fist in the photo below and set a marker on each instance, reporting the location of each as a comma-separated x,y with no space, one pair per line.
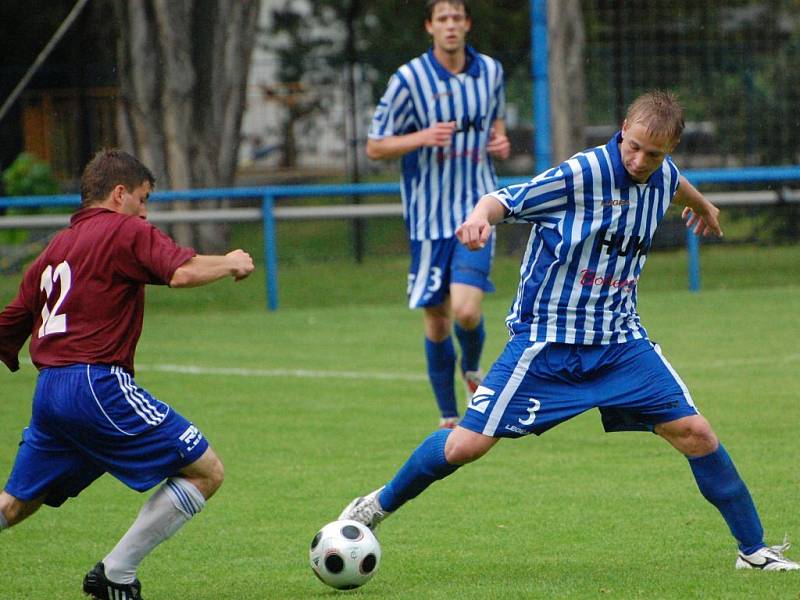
241,264
439,134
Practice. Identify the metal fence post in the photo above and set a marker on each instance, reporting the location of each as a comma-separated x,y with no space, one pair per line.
693,248
270,252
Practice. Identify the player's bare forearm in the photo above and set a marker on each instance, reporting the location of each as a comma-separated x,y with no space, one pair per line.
395,146
203,269
699,213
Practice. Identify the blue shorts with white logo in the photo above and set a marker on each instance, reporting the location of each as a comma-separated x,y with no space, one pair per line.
534,386
435,264
91,419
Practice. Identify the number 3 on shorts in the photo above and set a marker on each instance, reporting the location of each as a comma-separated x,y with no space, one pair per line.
435,279
535,405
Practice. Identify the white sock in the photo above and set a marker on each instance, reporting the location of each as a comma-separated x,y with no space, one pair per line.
173,504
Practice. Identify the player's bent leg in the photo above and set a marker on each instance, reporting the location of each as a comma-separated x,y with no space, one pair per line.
426,465
470,332
13,510
178,499
206,473
719,483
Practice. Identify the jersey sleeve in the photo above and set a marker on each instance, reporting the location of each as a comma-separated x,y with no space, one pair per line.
148,255
16,323
529,202
674,176
499,94
394,114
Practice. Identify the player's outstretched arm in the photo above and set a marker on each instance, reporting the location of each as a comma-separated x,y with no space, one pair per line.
698,212
394,146
475,231
202,269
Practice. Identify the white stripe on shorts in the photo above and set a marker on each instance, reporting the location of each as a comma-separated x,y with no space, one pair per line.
675,376
523,364
421,277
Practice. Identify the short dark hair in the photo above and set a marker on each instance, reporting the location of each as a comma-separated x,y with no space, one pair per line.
108,169
431,4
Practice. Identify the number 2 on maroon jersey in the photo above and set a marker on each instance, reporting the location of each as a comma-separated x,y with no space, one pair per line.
52,321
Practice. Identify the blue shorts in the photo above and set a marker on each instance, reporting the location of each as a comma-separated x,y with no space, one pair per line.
91,419
435,264
534,386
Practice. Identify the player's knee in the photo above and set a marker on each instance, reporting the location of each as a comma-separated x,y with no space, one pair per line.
467,316
691,436
15,510
463,451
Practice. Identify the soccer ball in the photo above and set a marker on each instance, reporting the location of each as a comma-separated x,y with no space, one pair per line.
345,554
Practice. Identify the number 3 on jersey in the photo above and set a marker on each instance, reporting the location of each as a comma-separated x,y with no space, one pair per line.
52,321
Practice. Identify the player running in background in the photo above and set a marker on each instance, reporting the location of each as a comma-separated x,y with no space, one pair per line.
576,340
82,303
443,112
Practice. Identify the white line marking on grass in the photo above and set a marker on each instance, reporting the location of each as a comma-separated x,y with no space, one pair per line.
302,373
367,375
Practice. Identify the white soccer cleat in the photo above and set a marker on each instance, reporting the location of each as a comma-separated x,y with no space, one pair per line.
472,380
366,509
770,558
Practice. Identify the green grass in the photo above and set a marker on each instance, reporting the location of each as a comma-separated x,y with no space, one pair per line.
573,514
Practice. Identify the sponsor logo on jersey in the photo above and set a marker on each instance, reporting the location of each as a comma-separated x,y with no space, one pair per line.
621,244
589,278
480,399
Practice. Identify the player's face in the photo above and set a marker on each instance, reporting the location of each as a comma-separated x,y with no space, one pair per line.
135,202
642,152
448,27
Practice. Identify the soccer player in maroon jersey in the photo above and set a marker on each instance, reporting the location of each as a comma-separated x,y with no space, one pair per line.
82,304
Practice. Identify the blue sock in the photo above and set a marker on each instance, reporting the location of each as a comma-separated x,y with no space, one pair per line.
441,368
471,342
425,465
721,485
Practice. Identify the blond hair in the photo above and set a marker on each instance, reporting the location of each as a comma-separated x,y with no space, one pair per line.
659,112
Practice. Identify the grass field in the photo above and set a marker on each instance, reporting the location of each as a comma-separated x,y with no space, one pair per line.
573,514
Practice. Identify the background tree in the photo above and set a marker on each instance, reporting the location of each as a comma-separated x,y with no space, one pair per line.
183,67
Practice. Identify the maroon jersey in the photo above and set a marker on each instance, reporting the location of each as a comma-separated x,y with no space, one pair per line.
82,300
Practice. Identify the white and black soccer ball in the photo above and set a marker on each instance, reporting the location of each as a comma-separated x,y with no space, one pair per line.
345,554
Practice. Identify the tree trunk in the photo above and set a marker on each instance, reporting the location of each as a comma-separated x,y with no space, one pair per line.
567,84
183,67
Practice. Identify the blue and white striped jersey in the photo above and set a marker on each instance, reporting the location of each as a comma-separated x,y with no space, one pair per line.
441,185
592,229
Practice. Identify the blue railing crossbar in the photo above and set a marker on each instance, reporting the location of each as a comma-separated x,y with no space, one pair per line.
269,194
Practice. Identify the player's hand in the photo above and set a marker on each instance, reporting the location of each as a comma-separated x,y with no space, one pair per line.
439,134
474,232
704,219
241,264
498,146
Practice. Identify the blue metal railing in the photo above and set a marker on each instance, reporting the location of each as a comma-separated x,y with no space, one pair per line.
270,194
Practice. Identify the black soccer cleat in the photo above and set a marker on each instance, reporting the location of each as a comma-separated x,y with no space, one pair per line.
98,586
